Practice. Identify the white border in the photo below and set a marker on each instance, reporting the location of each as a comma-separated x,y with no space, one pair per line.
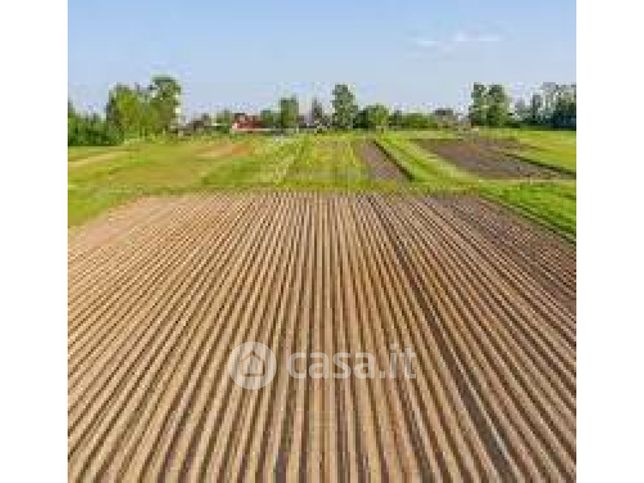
610,244
33,356
610,187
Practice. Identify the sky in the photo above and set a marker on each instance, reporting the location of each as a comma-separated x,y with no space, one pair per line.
244,55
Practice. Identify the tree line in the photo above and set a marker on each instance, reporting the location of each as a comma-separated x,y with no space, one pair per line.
140,112
131,112
345,114
553,105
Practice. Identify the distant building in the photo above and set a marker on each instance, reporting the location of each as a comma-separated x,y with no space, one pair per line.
243,122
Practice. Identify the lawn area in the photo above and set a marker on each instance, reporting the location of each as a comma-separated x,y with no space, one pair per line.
103,177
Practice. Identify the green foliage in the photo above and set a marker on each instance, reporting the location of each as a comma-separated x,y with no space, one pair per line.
498,104
376,117
164,101
136,112
289,112
224,119
318,116
345,108
416,120
478,108
396,119
555,105
444,117
88,129
269,119
490,105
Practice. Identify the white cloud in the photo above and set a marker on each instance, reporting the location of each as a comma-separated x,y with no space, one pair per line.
459,38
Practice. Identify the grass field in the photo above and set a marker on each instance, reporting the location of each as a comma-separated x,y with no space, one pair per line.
103,177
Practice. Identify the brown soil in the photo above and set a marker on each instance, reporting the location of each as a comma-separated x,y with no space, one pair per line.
488,158
379,164
162,291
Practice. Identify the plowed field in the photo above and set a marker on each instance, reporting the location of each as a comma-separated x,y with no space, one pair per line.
379,164
489,158
161,291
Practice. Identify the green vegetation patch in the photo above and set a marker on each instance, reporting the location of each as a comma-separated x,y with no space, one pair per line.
551,203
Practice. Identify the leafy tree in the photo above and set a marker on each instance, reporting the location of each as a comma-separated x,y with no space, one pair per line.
318,117
225,118
360,119
498,106
549,95
164,100
478,108
396,119
377,117
536,104
289,112
344,107
125,112
521,111
444,117
416,120
564,114
268,118
88,129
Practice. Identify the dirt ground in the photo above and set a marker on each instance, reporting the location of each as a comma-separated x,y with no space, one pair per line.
161,291
379,164
488,158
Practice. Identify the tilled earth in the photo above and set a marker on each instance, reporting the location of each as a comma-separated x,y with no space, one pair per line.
487,158
160,293
379,164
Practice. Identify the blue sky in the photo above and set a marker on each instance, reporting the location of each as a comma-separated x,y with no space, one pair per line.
411,54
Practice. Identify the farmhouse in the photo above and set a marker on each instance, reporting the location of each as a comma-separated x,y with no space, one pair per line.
243,122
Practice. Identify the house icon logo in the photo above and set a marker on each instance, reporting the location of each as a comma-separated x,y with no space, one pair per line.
252,365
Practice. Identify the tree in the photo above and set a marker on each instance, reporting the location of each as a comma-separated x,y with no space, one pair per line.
164,100
289,113
126,112
318,116
498,107
521,111
88,129
478,109
377,117
549,91
564,113
344,107
268,118
396,119
224,119
444,117
416,120
536,104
